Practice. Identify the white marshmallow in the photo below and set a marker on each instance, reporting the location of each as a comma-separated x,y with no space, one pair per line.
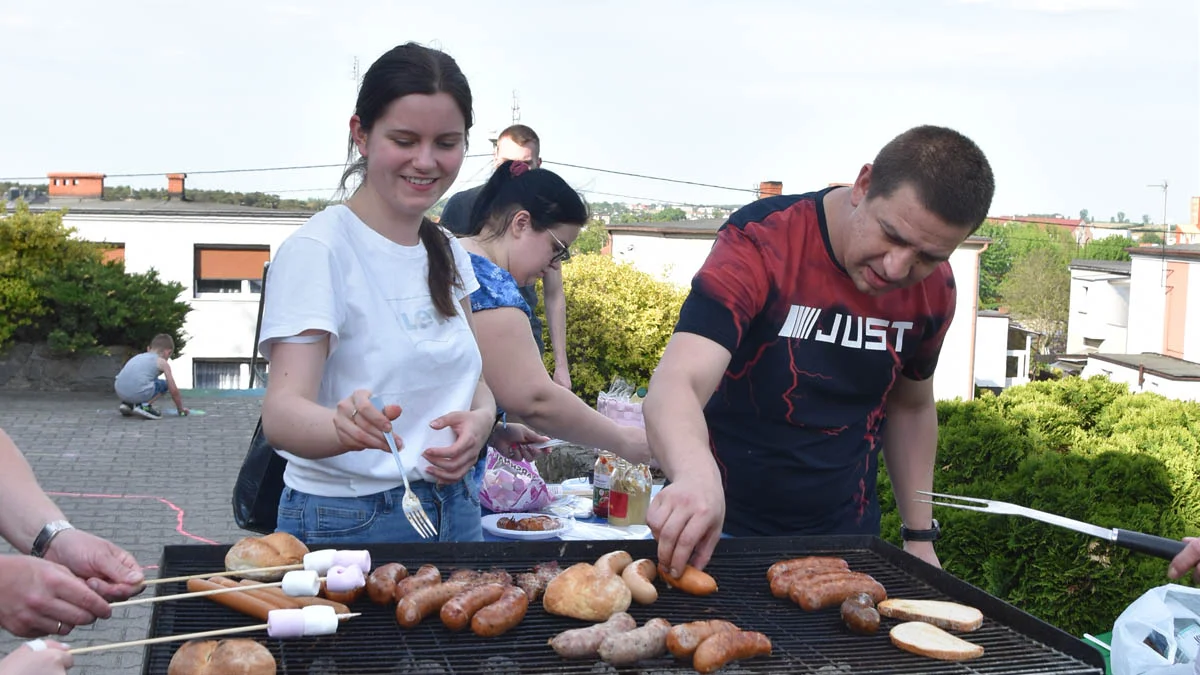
319,561
285,623
302,584
319,620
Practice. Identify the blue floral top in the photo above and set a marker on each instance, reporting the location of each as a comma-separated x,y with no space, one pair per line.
497,288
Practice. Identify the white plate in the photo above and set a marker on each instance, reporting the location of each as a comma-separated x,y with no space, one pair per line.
489,524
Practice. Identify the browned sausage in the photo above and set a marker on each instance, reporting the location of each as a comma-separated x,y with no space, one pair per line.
821,591
428,575
582,643
275,602
345,597
463,574
500,616
414,607
647,642
457,612
278,593
381,585
781,584
859,614
720,649
683,638
239,601
692,581
813,562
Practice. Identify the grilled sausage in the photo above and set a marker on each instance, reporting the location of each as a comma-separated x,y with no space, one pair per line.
428,575
692,581
457,612
684,638
239,602
616,561
285,600
582,643
381,585
813,562
828,590
279,600
639,577
419,604
720,649
859,614
647,642
500,616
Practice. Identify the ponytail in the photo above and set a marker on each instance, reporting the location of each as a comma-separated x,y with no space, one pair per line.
514,187
443,273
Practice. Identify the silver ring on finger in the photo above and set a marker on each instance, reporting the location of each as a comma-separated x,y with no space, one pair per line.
58,630
353,414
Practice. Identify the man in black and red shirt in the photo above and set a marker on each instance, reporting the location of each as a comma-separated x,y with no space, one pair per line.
808,345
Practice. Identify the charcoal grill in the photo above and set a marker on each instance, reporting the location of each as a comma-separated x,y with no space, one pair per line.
804,642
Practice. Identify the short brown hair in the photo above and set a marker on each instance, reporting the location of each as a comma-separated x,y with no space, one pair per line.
162,341
950,174
522,136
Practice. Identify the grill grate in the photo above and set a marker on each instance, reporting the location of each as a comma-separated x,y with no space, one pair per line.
804,642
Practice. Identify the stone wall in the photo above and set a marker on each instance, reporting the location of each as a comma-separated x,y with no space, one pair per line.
32,367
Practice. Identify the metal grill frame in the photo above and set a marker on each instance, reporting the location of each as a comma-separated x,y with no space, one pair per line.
805,642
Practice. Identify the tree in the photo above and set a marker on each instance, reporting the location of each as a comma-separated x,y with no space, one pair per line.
1083,215
1038,293
1108,248
1146,219
670,214
1121,217
1151,238
591,239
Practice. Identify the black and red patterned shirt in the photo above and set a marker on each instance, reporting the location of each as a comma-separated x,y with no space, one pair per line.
797,421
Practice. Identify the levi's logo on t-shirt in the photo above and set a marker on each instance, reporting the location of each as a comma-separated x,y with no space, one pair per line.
421,319
855,332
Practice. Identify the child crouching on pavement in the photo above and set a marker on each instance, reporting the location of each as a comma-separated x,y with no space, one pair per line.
138,385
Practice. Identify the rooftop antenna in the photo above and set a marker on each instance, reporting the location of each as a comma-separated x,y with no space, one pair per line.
516,108
1166,231
1162,185
356,73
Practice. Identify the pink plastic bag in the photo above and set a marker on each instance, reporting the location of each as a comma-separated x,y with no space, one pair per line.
512,485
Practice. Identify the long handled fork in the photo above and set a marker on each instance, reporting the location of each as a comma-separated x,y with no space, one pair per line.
1137,541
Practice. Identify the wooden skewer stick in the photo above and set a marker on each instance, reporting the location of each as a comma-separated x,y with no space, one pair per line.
197,594
188,636
226,573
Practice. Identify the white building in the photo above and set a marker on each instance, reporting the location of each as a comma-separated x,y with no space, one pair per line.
674,251
216,251
1003,349
1099,315
1165,375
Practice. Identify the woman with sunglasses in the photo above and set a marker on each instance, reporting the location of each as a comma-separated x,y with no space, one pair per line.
522,225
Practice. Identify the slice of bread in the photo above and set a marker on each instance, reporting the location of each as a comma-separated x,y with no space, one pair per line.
945,615
927,639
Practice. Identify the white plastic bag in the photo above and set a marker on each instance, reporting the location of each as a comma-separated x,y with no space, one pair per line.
1159,633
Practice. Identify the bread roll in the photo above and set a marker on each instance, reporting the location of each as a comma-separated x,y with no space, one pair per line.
225,657
273,550
944,615
587,592
927,639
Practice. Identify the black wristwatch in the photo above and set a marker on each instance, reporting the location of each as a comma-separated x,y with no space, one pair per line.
932,534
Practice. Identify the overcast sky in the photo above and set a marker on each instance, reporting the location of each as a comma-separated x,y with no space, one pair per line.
1078,103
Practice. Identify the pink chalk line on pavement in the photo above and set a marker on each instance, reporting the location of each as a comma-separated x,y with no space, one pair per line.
178,511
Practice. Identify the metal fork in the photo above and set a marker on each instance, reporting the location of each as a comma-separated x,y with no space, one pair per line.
1137,541
411,504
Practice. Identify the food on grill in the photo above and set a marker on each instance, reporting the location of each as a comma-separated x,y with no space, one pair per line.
222,657
692,581
301,583
684,638
273,550
500,616
639,577
647,642
528,524
247,604
810,562
278,596
534,583
457,612
381,585
306,622
832,588
860,615
419,604
585,591
582,643
722,648
428,575
616,561
944,615
344,584
927,639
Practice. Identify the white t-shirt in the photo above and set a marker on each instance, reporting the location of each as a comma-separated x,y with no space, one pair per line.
371,295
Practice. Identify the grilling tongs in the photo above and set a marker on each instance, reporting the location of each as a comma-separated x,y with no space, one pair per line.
1137,541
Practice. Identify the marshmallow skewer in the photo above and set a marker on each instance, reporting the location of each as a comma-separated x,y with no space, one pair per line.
316,561
317,620
296,584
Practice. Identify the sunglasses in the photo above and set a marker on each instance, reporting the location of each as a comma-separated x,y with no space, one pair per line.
563,253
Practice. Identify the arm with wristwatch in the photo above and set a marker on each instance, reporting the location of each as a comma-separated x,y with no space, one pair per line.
68,576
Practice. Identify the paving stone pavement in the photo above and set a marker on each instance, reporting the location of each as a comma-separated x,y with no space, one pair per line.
140,483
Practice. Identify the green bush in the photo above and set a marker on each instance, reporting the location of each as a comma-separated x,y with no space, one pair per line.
57,289
619,321
1085,449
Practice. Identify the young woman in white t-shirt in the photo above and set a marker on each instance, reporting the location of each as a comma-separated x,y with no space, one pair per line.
371,298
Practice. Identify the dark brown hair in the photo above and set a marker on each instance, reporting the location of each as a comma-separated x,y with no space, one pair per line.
415,69
541,192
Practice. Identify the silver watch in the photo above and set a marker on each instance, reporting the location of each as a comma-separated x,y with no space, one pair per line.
52,529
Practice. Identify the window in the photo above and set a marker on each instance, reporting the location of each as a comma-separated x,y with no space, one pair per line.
1011,367
224,269
223,373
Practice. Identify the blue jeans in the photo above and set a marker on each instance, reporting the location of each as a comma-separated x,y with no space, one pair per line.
379,518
